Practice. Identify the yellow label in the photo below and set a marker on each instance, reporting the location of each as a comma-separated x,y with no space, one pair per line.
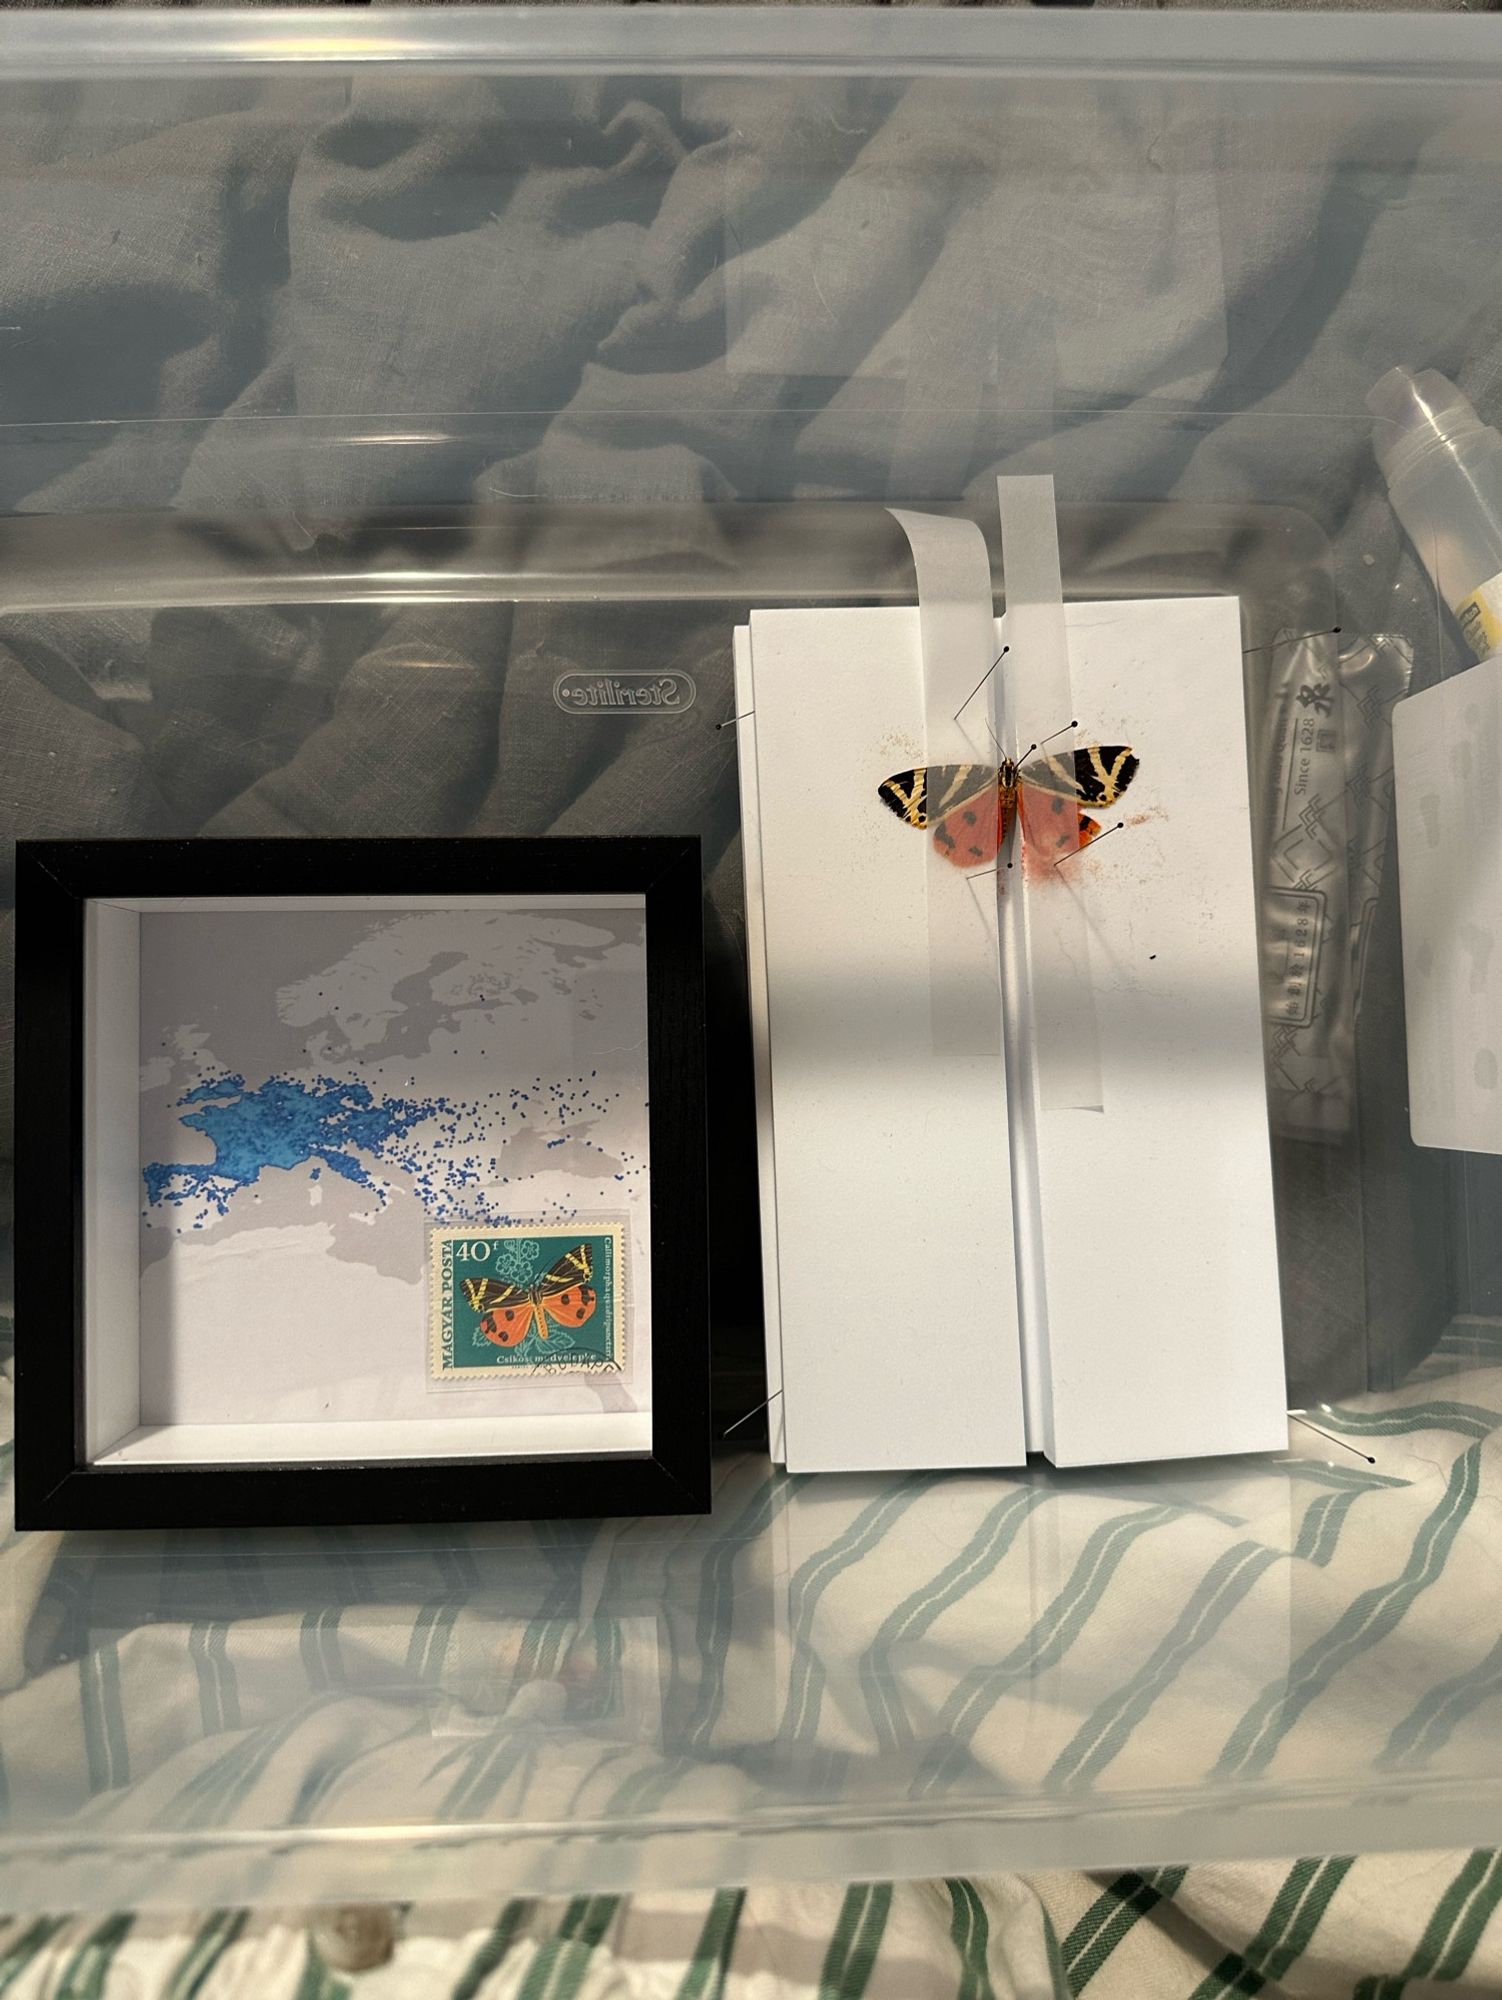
1480,617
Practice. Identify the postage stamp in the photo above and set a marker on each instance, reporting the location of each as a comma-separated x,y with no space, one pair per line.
528,1300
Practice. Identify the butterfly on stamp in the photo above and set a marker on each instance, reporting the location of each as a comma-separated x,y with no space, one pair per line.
970,807
562,1296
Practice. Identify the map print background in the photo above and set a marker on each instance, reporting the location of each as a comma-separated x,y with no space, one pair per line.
318,1088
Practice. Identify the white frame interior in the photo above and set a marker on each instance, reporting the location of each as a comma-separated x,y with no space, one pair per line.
114,1432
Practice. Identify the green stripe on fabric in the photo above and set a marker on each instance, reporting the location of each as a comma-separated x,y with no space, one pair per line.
643,1792
114,1713
961,1926
323,1663
595,1771
1429,1725
218,1692
810,1581
90,1965
1327,1539
1309,1916
320,1779
573,1917
560,1968
95,1749
1238,1969
1443,1922
488,1955
1320,1472
224,1675
427,1649
524,1668
603,1679
1121,1907
103,1718
1474,1332
417,1638
1312,1527
598,1919
215,1936
851,1957
546,1643
214,1939
1104,1733
1366,1620
709,1967
843,1936
717,1598
565,1556
1473,1921
22,1950
1285,1933
485,1769
970,1933
217,1791
1469,1419
611,1653
317,1982
915,1615
562,1636
210,1712
1044,1645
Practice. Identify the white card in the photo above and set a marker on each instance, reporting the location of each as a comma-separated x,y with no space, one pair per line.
1449,819
1163,1327
896,1279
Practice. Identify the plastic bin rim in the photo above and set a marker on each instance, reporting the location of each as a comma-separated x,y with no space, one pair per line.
685,40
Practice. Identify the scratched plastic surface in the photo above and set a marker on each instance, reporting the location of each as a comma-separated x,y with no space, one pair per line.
371,387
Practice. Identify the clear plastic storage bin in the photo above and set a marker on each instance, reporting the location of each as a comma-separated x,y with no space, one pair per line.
361,375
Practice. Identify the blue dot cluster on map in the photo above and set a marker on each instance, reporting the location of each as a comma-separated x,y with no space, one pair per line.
452,1149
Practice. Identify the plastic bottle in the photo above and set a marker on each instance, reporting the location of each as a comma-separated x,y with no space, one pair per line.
1443,468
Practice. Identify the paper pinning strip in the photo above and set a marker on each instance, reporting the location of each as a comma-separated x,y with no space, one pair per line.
956,623
1034,693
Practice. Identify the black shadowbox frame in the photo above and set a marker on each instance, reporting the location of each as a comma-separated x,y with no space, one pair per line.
56,1485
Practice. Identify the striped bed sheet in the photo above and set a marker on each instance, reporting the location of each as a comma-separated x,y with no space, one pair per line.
884,1652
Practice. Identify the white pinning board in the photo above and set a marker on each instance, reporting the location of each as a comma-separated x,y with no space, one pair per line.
880,1323
899,1200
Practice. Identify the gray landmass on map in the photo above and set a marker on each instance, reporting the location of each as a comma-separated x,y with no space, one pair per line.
465,1007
